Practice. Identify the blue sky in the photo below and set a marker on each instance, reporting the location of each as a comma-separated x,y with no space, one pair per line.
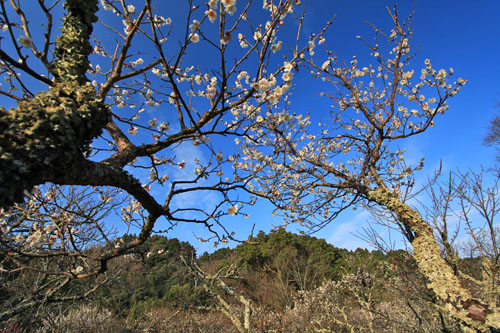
464,35
461,34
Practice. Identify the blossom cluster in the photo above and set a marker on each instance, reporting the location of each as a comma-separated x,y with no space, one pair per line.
312,173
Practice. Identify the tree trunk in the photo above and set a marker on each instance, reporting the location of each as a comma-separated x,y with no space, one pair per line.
458,301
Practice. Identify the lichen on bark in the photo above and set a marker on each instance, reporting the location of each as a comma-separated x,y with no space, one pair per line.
73,44
458,301
42,137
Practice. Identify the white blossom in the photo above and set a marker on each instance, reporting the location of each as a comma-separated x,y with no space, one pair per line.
195,38
212,15
213,3
233,210
25,41
163,127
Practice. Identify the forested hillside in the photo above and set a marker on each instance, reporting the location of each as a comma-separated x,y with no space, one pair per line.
289,282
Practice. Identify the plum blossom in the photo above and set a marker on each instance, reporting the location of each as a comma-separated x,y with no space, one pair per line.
106,5
241,39
133,130
229,6
243,75
265,84
212,15
195,38
155,71
311,46
35,238
226,38
276,46
231,10
233,210
287,67
160,20
194,26
287,76
213,4
25,41
163,127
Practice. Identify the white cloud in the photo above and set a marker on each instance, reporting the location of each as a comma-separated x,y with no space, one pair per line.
193,156
344,233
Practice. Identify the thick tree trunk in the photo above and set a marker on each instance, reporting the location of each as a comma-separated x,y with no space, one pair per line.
42,137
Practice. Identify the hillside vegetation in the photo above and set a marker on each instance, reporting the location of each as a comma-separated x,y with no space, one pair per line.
286,282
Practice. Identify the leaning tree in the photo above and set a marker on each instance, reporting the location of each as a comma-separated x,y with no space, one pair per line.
354,158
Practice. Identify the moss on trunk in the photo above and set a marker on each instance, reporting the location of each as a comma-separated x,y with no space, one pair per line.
458,301
42,137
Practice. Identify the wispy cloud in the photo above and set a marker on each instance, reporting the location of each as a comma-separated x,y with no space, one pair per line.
343,235
193,156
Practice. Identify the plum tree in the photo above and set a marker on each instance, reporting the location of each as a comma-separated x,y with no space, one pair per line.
153,93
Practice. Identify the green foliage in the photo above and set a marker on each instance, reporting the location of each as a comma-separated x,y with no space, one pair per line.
288,249
278,264
153,277
219,254
362,259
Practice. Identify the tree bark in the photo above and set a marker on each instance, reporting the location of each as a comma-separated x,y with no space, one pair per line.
458,301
